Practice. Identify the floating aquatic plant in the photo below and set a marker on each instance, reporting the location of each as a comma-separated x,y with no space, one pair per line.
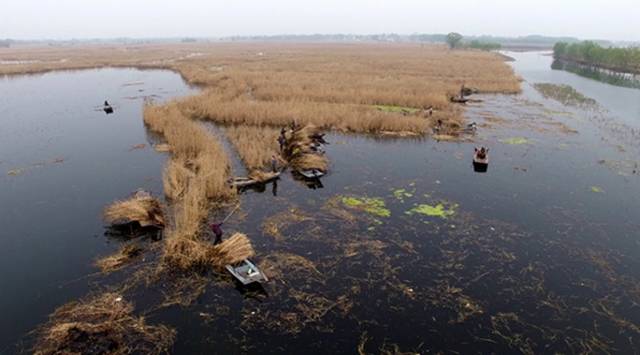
372,205
401,194
438,210
596,189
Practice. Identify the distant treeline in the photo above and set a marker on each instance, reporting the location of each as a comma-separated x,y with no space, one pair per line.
5,43
479,42
590,53
485,46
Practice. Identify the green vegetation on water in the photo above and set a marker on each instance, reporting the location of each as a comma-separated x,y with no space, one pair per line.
564,94
401,194
439,210
591,53
596,189
372,205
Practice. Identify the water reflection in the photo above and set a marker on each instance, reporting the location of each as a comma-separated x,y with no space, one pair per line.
606,76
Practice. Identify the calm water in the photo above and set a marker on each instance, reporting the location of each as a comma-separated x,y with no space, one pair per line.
540,254
70,160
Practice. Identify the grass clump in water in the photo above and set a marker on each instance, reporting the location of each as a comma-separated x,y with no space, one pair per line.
104,324
515,141
438,210
596,189
119,259
565,94
371,205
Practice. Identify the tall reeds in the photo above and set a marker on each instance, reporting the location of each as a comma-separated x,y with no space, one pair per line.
256,145
197,173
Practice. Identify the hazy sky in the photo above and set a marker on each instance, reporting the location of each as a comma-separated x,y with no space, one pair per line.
59,19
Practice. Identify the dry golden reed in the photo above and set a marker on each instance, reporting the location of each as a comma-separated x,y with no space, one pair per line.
333,86
99,325
118,260
141,208
256,145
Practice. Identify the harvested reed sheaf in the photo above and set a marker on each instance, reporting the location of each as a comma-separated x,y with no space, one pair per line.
189,253
231,251
142,208
116,261
104,324
298,150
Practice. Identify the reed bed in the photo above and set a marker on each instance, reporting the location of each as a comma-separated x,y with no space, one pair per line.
197,173
100,325
333,86
256,145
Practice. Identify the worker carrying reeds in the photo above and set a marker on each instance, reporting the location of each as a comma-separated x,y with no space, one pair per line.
216,228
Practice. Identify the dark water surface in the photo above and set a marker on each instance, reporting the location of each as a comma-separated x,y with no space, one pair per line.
62,160
541,254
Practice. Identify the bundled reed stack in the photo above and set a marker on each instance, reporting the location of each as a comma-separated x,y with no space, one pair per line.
141,208
302,150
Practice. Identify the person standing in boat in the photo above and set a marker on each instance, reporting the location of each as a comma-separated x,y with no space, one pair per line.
216,228
281,141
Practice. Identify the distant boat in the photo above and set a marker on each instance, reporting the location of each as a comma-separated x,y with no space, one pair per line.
107,108
246,272
311,173
480,161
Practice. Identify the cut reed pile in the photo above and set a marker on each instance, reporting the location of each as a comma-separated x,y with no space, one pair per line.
194,253
141,208
299,153
104,324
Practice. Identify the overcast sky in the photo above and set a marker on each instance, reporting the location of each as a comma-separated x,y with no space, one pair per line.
62,19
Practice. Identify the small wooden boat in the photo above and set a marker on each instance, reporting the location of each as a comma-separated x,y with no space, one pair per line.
459,100
246,272
311,174
240,182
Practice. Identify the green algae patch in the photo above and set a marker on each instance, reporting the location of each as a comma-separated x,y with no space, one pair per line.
401,194
515,141
596,189
439,210
371,205
397,109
